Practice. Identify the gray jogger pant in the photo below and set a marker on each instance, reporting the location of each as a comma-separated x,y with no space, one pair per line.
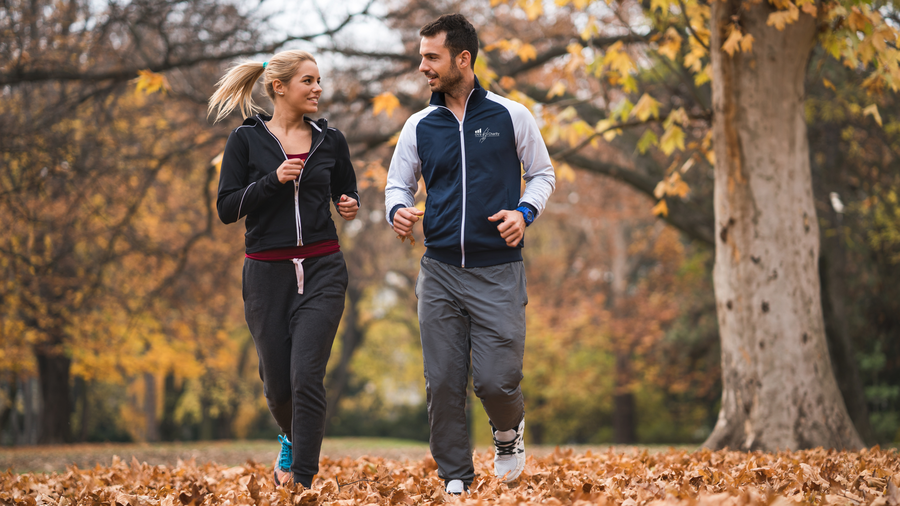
293,334
478,311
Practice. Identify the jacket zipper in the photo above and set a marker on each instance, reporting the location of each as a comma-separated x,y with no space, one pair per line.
296,181
462,146
297,184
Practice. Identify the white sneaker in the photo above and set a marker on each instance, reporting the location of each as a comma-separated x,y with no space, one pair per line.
455,487
509,452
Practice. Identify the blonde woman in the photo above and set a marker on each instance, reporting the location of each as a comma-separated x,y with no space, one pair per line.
282,172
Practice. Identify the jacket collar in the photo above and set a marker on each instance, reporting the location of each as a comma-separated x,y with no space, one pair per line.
477,96
319,126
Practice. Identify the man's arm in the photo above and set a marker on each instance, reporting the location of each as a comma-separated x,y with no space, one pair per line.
402,182
540,180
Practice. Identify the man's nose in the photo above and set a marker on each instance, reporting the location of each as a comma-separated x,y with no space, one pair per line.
423,66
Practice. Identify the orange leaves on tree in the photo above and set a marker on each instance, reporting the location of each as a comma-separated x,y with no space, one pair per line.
557,90
737,40
648,139
670,47
527,52
673,135
659,5
150,82
385,102
660,209
781,18
645,107
523,50
672,139
672,186
872,110
620,67
576,58
533,8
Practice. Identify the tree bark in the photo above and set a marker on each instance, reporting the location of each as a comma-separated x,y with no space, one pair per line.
778,388
53,369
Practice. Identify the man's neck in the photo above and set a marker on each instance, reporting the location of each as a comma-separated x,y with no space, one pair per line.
456,99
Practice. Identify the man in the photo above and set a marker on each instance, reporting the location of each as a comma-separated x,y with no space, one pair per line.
470,146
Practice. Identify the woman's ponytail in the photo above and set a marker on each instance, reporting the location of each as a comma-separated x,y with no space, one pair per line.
235,90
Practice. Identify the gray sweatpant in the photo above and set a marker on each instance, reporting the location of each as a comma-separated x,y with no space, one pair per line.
293,334
478,311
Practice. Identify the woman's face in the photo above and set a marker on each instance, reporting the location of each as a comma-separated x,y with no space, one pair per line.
302,92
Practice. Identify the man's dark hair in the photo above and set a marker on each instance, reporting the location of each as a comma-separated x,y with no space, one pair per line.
461,35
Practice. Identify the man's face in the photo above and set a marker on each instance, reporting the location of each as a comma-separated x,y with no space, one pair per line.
437,64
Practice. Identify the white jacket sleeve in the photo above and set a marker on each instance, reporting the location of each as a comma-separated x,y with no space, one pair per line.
404,172
540,180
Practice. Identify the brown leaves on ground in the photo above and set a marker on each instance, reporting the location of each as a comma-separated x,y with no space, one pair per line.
701,478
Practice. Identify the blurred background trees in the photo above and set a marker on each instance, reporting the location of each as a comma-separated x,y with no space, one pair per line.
120,309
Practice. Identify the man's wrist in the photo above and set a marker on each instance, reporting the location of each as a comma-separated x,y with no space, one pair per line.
393,211
527,213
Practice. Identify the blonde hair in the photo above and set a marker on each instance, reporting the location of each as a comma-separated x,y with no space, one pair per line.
235,89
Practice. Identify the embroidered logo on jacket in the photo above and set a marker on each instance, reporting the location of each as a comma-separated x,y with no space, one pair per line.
482,135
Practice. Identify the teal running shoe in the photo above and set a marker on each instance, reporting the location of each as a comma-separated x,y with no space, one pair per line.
284,461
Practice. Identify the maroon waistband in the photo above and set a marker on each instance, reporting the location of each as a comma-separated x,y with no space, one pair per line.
316,249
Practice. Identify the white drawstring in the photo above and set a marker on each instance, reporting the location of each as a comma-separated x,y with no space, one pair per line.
298,268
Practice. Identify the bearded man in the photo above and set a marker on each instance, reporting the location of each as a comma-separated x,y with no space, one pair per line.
470,146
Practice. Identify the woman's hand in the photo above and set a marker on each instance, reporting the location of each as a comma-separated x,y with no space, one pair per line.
289,170
347,207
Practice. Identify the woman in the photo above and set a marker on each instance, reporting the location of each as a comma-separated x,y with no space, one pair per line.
282,172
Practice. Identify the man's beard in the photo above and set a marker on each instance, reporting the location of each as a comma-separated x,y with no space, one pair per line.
451,81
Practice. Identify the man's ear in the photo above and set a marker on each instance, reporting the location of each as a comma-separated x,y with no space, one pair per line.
464,59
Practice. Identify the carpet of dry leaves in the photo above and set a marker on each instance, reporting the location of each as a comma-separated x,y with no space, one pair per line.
637,478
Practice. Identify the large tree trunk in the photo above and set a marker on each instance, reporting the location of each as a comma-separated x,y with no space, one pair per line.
778,388
53,369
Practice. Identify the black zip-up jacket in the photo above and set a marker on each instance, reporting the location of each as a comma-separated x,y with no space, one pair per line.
281,215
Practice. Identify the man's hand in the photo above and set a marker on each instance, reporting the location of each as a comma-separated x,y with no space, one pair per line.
347,207
511,227
404,219
289,170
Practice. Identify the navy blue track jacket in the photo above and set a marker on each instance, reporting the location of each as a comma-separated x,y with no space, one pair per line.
472,169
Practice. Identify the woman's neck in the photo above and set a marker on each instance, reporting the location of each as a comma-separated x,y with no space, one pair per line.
288,121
